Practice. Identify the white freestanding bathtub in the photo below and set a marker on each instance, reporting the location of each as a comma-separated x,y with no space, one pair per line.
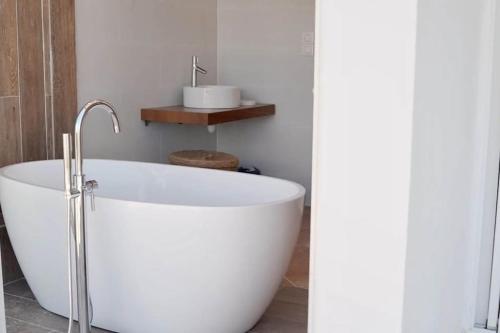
171,249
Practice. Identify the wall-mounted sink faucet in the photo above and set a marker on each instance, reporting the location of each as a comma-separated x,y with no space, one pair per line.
194,72
76,188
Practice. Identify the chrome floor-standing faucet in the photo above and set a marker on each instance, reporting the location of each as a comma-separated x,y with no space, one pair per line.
75,189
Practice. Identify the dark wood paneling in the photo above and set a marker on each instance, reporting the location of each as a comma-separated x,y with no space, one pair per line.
46,45
40,36
10,132
31,78
50,131
8,48
64,101
10,152
47,77
179,114
10,267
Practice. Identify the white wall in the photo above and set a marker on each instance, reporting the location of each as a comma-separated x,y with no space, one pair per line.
362,154
138,54
260,51
443,221
397,91
491,73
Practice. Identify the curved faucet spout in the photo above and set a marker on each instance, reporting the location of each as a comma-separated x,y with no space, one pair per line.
106,106
79,123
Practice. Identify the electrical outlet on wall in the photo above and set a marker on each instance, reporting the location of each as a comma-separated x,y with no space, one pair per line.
308,37
307,45
307,50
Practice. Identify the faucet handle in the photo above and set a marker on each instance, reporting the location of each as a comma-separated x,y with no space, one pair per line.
196,67
90,186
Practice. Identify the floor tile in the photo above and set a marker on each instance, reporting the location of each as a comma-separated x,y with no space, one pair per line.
18,288
293,295
17,326
287,311
298,270
286,314
286,283
276,325
94,330
22,308
30,311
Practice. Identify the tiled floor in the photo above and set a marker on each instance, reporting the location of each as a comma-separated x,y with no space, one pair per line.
286,314
298,271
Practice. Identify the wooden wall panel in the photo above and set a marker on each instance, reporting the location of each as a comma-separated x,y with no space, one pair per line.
10,152
47,60
37,70
8,48
10,267
64,100
31,79
10,132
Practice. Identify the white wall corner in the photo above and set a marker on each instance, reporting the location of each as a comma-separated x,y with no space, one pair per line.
364,91
487,168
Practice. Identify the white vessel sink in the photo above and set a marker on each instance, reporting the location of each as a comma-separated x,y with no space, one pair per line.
211,97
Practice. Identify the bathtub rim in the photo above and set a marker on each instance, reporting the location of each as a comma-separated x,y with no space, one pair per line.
301,191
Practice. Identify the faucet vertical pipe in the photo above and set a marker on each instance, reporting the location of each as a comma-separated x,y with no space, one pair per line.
194,64
67,155
79,213
68,192
81,258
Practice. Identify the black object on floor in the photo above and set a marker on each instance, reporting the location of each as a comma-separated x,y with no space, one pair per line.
252,170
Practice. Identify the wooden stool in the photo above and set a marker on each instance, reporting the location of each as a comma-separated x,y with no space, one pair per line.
204,159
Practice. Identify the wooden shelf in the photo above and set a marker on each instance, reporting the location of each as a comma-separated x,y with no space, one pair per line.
178,114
